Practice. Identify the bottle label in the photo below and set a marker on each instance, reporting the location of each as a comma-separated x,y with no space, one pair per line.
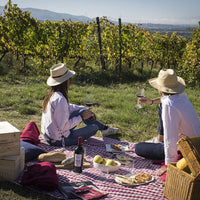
78,160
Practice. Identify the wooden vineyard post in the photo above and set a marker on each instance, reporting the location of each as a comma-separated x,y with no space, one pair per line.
120,46
100,44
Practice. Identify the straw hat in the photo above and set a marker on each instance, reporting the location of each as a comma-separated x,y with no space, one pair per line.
167,81
59,74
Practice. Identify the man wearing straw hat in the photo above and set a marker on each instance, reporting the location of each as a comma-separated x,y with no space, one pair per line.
177,115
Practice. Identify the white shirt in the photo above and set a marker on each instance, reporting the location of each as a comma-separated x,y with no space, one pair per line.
179,116
55,120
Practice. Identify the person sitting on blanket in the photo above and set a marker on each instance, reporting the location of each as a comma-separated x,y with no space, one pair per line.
59,117
176,115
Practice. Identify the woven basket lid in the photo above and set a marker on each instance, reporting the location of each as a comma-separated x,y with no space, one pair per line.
190,149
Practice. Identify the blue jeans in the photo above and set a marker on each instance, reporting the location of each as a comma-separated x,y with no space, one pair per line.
153,151
92,126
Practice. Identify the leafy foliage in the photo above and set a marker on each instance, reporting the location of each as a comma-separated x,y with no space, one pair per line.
41,44
191,59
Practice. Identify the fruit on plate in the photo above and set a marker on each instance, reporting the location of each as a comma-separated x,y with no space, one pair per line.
110,162
98,159
104,161
108,165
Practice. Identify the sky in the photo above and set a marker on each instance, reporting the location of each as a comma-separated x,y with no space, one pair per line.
134,11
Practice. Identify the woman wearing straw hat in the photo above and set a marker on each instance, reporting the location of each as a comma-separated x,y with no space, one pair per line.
177,116
59,117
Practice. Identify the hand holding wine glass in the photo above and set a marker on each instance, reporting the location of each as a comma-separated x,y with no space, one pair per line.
88,114
140,96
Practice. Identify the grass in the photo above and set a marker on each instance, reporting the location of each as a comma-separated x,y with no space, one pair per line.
114,105
21,102
11,191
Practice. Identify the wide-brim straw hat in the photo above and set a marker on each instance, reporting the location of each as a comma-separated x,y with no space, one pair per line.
168,82
59,74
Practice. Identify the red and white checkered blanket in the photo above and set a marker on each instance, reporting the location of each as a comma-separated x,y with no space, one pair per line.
106,182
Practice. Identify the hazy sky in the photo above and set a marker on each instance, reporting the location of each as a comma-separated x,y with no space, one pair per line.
136,11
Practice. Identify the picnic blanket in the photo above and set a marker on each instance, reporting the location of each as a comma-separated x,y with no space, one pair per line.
106,182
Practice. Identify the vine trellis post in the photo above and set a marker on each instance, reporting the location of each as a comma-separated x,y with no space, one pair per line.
100,44
120,45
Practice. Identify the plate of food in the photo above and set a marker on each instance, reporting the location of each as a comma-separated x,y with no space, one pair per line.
123,159
134,179
117,148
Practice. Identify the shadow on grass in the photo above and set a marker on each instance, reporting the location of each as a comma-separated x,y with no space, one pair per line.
108,77
87,75
9,190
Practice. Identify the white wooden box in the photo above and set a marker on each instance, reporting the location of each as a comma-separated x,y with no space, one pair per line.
9,139
12,166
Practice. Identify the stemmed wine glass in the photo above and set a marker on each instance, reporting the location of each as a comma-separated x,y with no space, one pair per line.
107,172
89,100
140,96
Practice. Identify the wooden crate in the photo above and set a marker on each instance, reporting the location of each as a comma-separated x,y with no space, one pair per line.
12,166
9,139
180,185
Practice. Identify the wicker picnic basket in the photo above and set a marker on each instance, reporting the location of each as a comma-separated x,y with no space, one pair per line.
190,149
179,184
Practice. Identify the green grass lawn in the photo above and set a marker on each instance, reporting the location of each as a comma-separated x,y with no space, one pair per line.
21,102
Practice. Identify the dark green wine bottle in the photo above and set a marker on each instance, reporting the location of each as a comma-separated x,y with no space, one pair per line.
78,157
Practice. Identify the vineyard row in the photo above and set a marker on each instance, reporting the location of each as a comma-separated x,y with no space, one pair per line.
122,45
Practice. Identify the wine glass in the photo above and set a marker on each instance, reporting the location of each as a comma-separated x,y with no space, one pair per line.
130,165
140,96
89,100
107,173
63,142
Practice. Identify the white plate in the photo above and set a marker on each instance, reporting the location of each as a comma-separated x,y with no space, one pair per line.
134,184
110,149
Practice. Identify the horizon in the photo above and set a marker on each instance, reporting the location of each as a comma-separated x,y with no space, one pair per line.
156,12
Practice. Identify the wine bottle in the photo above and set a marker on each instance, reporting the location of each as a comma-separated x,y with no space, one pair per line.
78,157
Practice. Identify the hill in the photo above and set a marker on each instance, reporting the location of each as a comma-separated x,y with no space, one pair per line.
42,15
183,30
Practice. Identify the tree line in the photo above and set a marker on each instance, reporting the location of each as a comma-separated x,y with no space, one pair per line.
121,45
